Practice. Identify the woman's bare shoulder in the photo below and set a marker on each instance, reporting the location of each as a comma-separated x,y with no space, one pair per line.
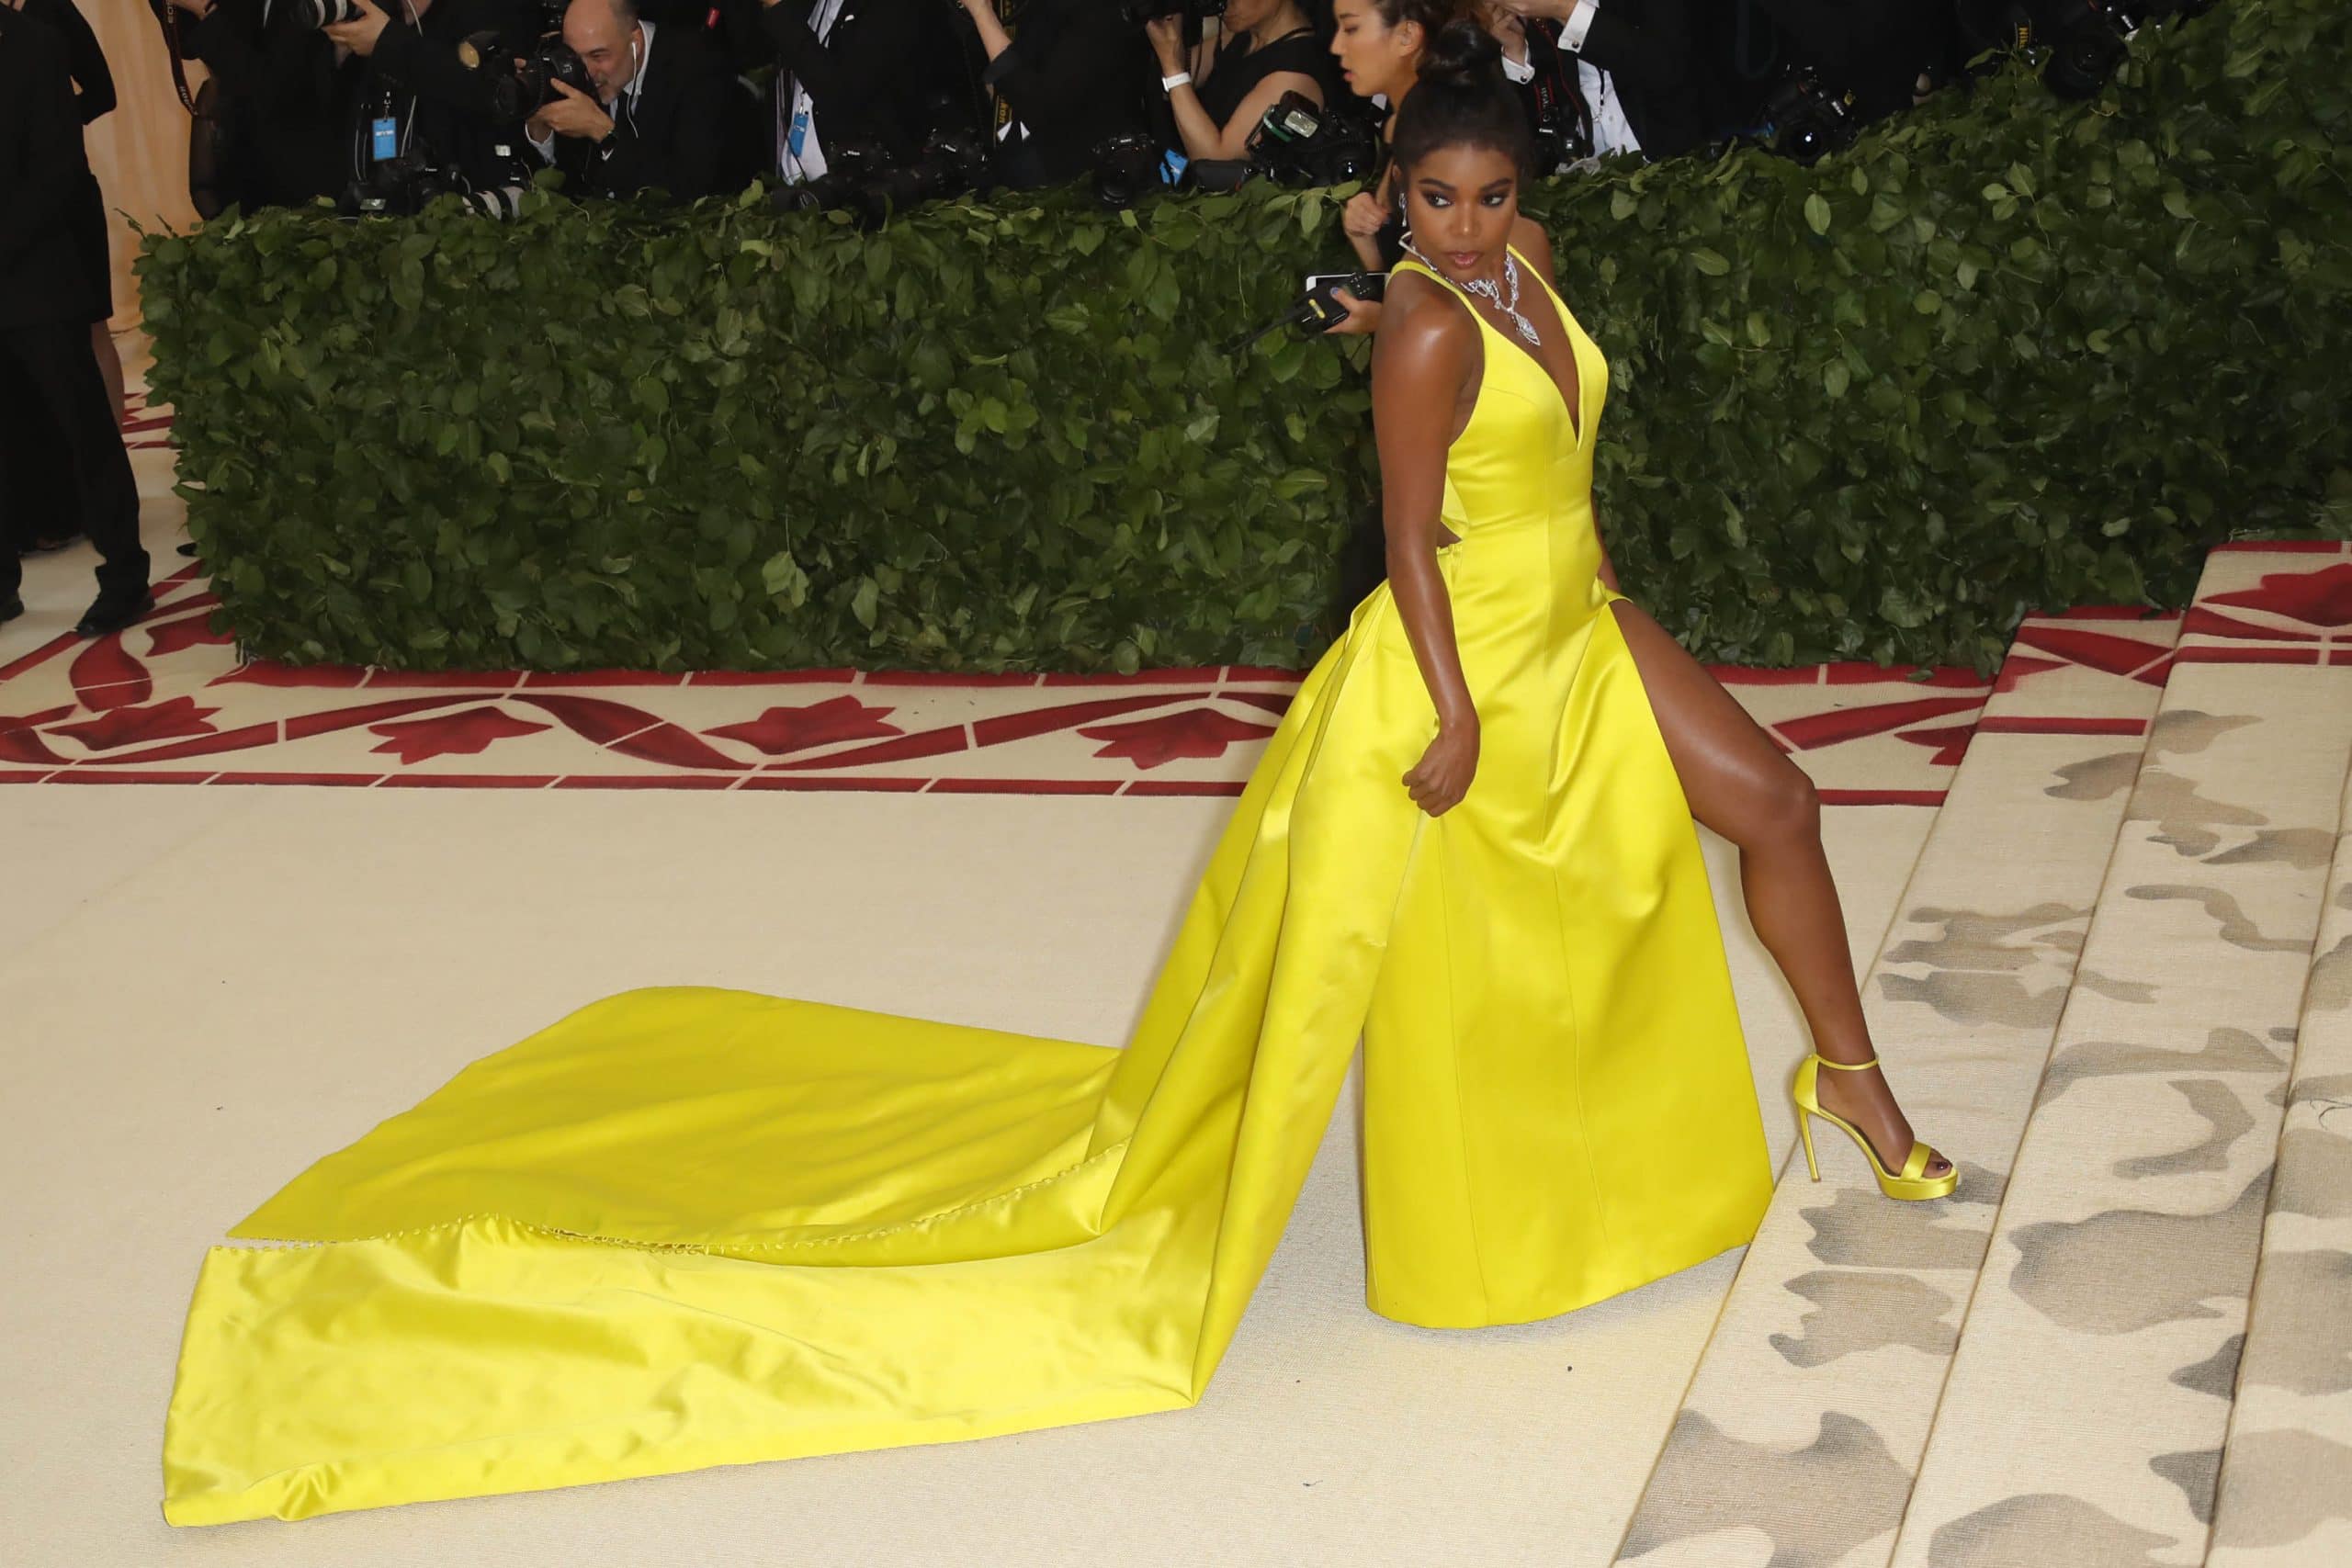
1417,307
1424,334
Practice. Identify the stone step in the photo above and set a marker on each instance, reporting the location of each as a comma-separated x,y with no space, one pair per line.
1808,1410
2286,1487
2083,1415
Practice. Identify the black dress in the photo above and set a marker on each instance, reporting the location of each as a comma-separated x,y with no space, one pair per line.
1233,77
94,95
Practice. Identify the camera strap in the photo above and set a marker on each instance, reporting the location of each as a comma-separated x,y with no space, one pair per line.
169,14
1002,125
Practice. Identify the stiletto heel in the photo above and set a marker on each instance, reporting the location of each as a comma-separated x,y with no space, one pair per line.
1911,1184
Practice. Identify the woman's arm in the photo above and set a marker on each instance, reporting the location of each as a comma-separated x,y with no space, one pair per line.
1203,137
1421,359
993,38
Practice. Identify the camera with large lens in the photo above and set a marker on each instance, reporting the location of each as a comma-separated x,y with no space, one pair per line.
862,179
1805,119
327,13
1300,142
405,185
522,83
400,187
2086,40
1129,167
1136,12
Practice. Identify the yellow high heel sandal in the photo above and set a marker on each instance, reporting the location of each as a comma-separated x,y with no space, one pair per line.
1911,1184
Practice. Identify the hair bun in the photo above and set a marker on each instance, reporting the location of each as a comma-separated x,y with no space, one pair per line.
1462,55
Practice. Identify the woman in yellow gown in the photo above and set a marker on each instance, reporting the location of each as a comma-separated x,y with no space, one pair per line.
690,1227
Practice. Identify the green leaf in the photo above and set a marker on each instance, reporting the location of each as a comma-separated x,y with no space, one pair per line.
1817,214
783,577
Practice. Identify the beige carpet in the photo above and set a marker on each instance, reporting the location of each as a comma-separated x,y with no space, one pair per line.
205,989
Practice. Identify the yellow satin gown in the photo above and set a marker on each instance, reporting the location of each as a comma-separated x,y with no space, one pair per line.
690,1227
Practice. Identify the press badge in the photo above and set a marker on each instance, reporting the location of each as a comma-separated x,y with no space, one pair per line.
386,135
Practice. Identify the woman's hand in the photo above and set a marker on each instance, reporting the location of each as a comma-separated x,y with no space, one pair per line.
360,37
1362,318
1167,35
1362,217
1442,777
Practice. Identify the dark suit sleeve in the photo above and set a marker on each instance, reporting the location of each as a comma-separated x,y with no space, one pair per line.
838,85
1649,50
32,208
1056,81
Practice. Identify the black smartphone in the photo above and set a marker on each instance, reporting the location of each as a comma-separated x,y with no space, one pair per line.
1320,287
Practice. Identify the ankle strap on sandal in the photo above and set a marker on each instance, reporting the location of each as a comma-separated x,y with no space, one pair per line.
1844,1066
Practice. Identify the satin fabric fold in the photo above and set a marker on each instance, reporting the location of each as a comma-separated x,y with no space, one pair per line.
685,1227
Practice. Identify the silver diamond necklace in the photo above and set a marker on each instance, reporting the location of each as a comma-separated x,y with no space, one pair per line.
1485,290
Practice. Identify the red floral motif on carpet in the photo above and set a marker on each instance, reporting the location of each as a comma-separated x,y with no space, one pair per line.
1195,732
462,734
783,730
169,720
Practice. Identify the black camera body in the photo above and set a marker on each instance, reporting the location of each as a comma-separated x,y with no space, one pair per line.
1127,167
2086,41
1136,12
406,185
1807,119
1300,143
862,179
521,84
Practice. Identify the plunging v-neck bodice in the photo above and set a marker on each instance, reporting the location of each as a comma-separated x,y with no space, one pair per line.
1524,458
1572,411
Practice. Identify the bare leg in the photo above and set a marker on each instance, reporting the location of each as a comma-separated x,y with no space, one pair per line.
109,363
1739,784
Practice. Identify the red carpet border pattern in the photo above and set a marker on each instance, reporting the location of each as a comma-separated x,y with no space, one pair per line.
169,701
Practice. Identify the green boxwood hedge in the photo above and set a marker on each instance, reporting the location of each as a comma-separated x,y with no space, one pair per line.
2006,353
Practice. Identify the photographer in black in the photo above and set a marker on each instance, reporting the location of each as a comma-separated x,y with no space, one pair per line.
1063,77
654,114
291,97
1546,80
873,72
48,375
441,114
1221,89
1637,68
